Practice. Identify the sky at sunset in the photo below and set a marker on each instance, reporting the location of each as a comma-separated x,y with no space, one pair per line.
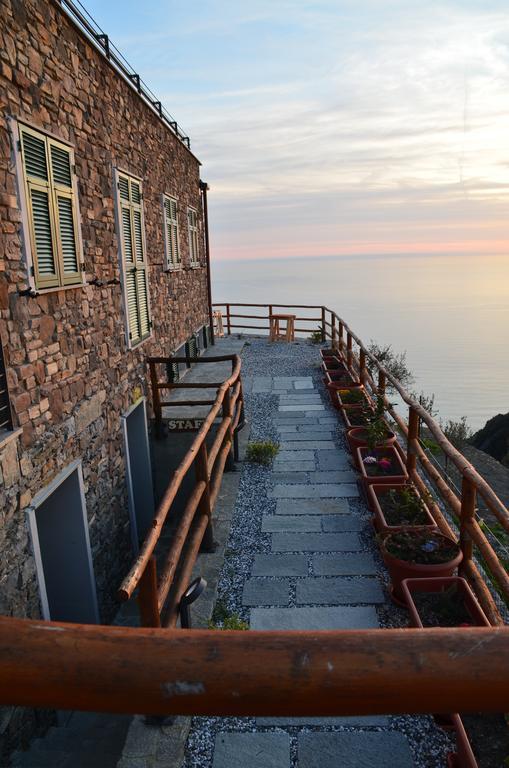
329,127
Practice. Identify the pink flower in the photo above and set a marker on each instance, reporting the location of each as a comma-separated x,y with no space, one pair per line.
384,464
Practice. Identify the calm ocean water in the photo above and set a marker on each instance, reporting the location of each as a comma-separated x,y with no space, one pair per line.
449,313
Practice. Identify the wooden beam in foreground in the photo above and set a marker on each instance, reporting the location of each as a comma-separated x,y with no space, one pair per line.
116,669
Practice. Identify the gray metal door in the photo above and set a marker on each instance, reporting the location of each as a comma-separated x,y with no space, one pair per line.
59,530
139,471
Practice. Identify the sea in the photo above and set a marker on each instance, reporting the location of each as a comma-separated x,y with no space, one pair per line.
448,313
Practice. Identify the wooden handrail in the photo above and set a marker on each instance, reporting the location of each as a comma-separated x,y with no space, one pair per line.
195,523
157,671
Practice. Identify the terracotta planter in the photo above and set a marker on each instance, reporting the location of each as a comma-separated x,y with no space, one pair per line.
352,414
337,373
379,521
332,364
334,388
411,587
326,353
356,438
464,756
394,475
344,381
400,570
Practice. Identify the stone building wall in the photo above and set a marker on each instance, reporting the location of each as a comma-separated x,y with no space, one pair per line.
70,373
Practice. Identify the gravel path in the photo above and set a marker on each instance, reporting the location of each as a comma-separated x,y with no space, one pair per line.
293,522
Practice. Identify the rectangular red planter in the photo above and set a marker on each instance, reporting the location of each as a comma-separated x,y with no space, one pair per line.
440,584
464,756
381,525
399,475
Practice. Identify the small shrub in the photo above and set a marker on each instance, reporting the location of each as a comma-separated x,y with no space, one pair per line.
262,453
393,362
316,336
230,622
457,432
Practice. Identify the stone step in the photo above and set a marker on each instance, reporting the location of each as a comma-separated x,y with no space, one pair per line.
291,464
300,407
315,491
280,565
338,591
368,721
307,436
347,564
312,507
314,617
385,749
327,460
308,445
316,478
294,457
315,542
266,592
340,523
275,523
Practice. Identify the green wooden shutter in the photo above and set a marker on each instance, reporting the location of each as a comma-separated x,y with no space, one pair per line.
193,236
171,233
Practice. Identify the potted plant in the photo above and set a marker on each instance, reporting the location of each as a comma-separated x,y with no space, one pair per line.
356,415
413,553
381,465
374,433
442,602
344,386
351,396
398,506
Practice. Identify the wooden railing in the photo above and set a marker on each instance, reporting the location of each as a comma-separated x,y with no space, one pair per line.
474,543
159,596
201,672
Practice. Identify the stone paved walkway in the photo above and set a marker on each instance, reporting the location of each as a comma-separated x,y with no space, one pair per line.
316,576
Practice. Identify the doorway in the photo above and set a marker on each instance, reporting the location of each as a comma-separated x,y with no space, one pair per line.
58,524
139,471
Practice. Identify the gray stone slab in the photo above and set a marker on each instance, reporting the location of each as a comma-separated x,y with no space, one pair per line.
295,456
274,523
328,460
312,507
252,750
338,591
334,476
345,564
314,617
309,445
363,749
304,421
290,379
368,721
303,384
300,407
266,592
339,523
297,466
324,491
328,420
300,399
315,542
287,428
280,565
288,478
308,435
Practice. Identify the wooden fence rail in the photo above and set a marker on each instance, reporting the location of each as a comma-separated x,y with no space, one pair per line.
155,671
159,595
463,507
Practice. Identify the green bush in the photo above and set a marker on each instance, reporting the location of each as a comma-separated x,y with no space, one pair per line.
262,452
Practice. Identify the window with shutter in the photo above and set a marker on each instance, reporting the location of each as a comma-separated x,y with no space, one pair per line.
52,209
133,260
192,226
5,405
171,233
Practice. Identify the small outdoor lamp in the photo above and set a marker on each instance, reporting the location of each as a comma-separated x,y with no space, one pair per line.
192,593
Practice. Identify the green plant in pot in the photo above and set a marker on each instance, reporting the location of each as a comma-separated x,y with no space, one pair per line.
399,507
374,433
417,553
352,396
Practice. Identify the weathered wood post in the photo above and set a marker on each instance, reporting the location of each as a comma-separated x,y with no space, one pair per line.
467,515
381,383
227,413
147,596
349,350
324,334
333,319
156,400
413,436
228,321
204,508
362,365
341,342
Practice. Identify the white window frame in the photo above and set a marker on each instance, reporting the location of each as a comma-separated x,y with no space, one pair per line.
14,128
117,172
193,230
169,264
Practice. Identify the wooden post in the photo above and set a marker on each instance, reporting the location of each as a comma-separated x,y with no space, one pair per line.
349,352
324,330
341,343
381,383
467,515
362,365
227,412
147,596
333,318
228,321
204,508
413,435
156,401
